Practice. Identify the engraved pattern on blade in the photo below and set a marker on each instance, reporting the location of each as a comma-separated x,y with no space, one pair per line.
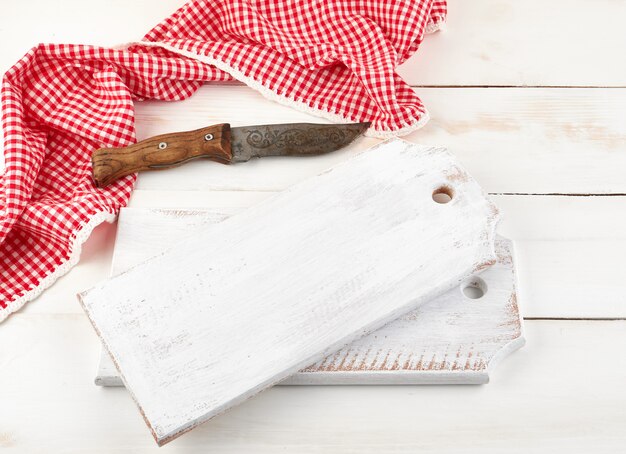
298,139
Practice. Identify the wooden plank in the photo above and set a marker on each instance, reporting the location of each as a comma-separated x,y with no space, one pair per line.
207,325
532,140
487,42
511,140
453,339
535,42
563,392
561,218
587,271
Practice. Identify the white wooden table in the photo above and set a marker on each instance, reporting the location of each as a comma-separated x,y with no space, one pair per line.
531,97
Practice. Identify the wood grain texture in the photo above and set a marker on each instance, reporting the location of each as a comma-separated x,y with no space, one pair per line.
450,340
253,299
512,140
162,152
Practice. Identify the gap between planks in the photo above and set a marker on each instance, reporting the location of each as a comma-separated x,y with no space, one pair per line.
576,319
64,315
559,194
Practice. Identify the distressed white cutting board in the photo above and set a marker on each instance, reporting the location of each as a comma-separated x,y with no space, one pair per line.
249,301
453,339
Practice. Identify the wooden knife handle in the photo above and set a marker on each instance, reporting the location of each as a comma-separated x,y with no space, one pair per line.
162,152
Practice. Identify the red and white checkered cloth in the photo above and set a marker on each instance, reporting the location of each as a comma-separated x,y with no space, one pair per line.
332,58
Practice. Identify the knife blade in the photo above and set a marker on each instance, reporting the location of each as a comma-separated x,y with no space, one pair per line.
222,144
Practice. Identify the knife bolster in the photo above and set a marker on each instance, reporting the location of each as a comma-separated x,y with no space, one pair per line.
162,152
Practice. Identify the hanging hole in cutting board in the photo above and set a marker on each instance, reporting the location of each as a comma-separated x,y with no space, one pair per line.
474,288
443,194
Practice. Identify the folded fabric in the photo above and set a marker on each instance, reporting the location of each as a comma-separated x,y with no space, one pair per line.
335,59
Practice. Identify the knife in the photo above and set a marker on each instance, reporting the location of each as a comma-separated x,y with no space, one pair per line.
222,144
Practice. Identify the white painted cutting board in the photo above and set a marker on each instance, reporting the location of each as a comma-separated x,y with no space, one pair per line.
247,302
453,339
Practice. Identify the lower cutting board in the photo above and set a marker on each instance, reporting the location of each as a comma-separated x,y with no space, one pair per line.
454,339
249,301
